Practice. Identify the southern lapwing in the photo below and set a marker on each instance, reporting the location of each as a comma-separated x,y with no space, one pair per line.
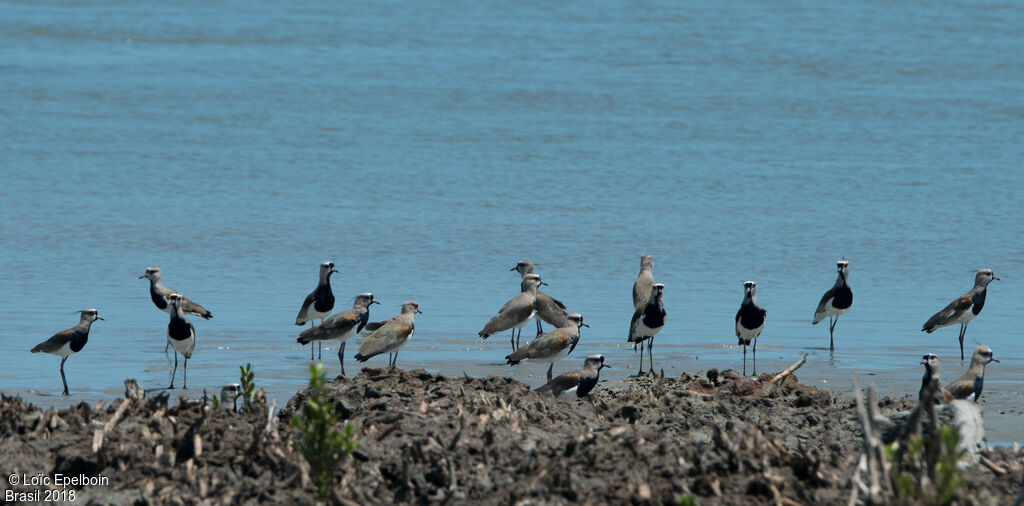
340,327
68,342
963,309
549,309
158,293
644,282
931,379
647,321
835,302
581,381
552,346
517,311
749,322
182,336
970,384
319,302
391,336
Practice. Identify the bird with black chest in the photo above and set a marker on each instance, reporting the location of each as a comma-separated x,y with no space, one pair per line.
549,309
964,308
516,312
581,381
340,327
182,336
969,385
647,321
552,346
70,341
319,302
835,302
931,381
158,294
749,322
391,336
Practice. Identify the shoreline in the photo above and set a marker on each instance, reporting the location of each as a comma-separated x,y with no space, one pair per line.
424,437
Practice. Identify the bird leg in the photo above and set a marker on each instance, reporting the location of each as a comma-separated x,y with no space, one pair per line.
175,371
395,362
641,373
550,368
831,329
650,354
513,339
963,330
341,358
62,378
744,360
755,357
184,382
520,334
539,332
311,344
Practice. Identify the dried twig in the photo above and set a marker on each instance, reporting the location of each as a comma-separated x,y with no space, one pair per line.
97,438
789,370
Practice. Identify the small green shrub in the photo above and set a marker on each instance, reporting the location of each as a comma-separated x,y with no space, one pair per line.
321,444
248,386
910,484
215,401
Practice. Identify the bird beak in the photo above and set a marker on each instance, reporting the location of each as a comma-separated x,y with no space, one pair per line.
101,318
606,365
543,283
924,361
374,301
585,325
419,312
994,360
995,278
334,270
142,276
514,268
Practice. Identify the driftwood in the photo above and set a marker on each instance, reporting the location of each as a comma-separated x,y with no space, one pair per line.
789,370
872,466
97,438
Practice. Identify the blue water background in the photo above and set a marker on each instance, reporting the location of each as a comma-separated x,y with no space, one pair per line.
427,147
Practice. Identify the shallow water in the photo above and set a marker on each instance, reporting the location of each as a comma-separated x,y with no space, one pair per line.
426,148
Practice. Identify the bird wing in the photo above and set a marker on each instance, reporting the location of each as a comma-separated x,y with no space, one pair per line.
55,342
385,339
561,383
819,313
642,289
335,326
192,308
371,326
301,318
948,314
513,312
962,387
551,310
633,325
547,345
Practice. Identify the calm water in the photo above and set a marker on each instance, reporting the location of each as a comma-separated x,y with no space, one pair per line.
426,148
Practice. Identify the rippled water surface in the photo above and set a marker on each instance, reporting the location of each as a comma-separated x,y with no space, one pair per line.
425,148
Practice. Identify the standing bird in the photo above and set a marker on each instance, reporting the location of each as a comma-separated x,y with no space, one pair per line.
517,311
749,322
158,293
963,309
835,301
970,384
644,282
581,381
931,381
549,309
340,327
182,336
648,321
68,342
319,303
392,335
551,347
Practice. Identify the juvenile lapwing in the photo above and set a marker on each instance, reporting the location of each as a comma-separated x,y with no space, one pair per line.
931,378
552,346
835,301
963,309
391,336
970,384
319,302
647,321
644,282
549,309
517,311
68,342
581,381
182,336
749,322
340,327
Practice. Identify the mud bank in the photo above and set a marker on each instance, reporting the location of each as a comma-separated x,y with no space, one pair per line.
425,438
